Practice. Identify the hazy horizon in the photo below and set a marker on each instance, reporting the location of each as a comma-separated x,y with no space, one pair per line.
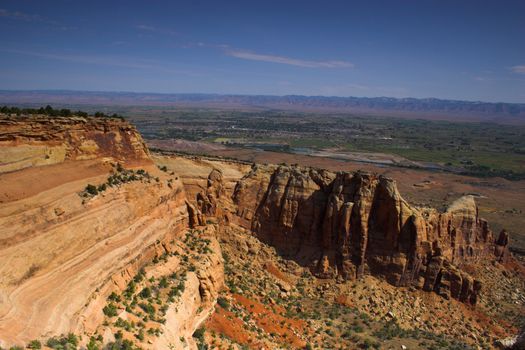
189,93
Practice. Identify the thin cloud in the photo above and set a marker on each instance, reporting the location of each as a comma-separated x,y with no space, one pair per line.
202,45
152,29
518,69
102,60
479,78
252,56
145,27
21,16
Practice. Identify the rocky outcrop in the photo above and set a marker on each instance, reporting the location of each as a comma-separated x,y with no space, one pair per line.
64,251
349,224
208,200
196,302
502,247
195,215
28,141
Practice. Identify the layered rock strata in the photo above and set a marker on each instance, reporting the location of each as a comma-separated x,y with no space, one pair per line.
27,141
63,249
349,224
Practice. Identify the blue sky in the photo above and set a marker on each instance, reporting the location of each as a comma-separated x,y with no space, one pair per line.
473,50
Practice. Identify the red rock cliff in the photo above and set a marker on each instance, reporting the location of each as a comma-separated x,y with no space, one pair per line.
348,224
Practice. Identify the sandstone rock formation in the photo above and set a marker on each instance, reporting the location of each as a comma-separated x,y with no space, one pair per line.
27,141
197,301
63,252
502,247
349,224
208,200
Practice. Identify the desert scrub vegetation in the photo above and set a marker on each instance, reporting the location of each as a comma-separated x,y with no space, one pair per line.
199,337
119,176
63,343
71,342
325,323
147,297
34,344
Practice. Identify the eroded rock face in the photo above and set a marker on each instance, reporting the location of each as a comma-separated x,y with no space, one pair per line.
27,141
208,200
195,215
63,252
348,224
196,302
502,247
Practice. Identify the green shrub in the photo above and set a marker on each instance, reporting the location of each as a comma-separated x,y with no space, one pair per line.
110,310
140,335
140,275
163,283
118,335
199,334
68,342
148,308
357,328
72,339
91,189
130,290
92,345
114,297
145,293
223,302
34,344
392,330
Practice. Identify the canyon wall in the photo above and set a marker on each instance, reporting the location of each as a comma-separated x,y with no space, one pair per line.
65,249
349,224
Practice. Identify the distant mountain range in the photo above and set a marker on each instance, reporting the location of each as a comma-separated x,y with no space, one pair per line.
403,107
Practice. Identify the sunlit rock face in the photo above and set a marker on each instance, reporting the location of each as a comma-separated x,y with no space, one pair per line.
42,140
349,224
63,251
